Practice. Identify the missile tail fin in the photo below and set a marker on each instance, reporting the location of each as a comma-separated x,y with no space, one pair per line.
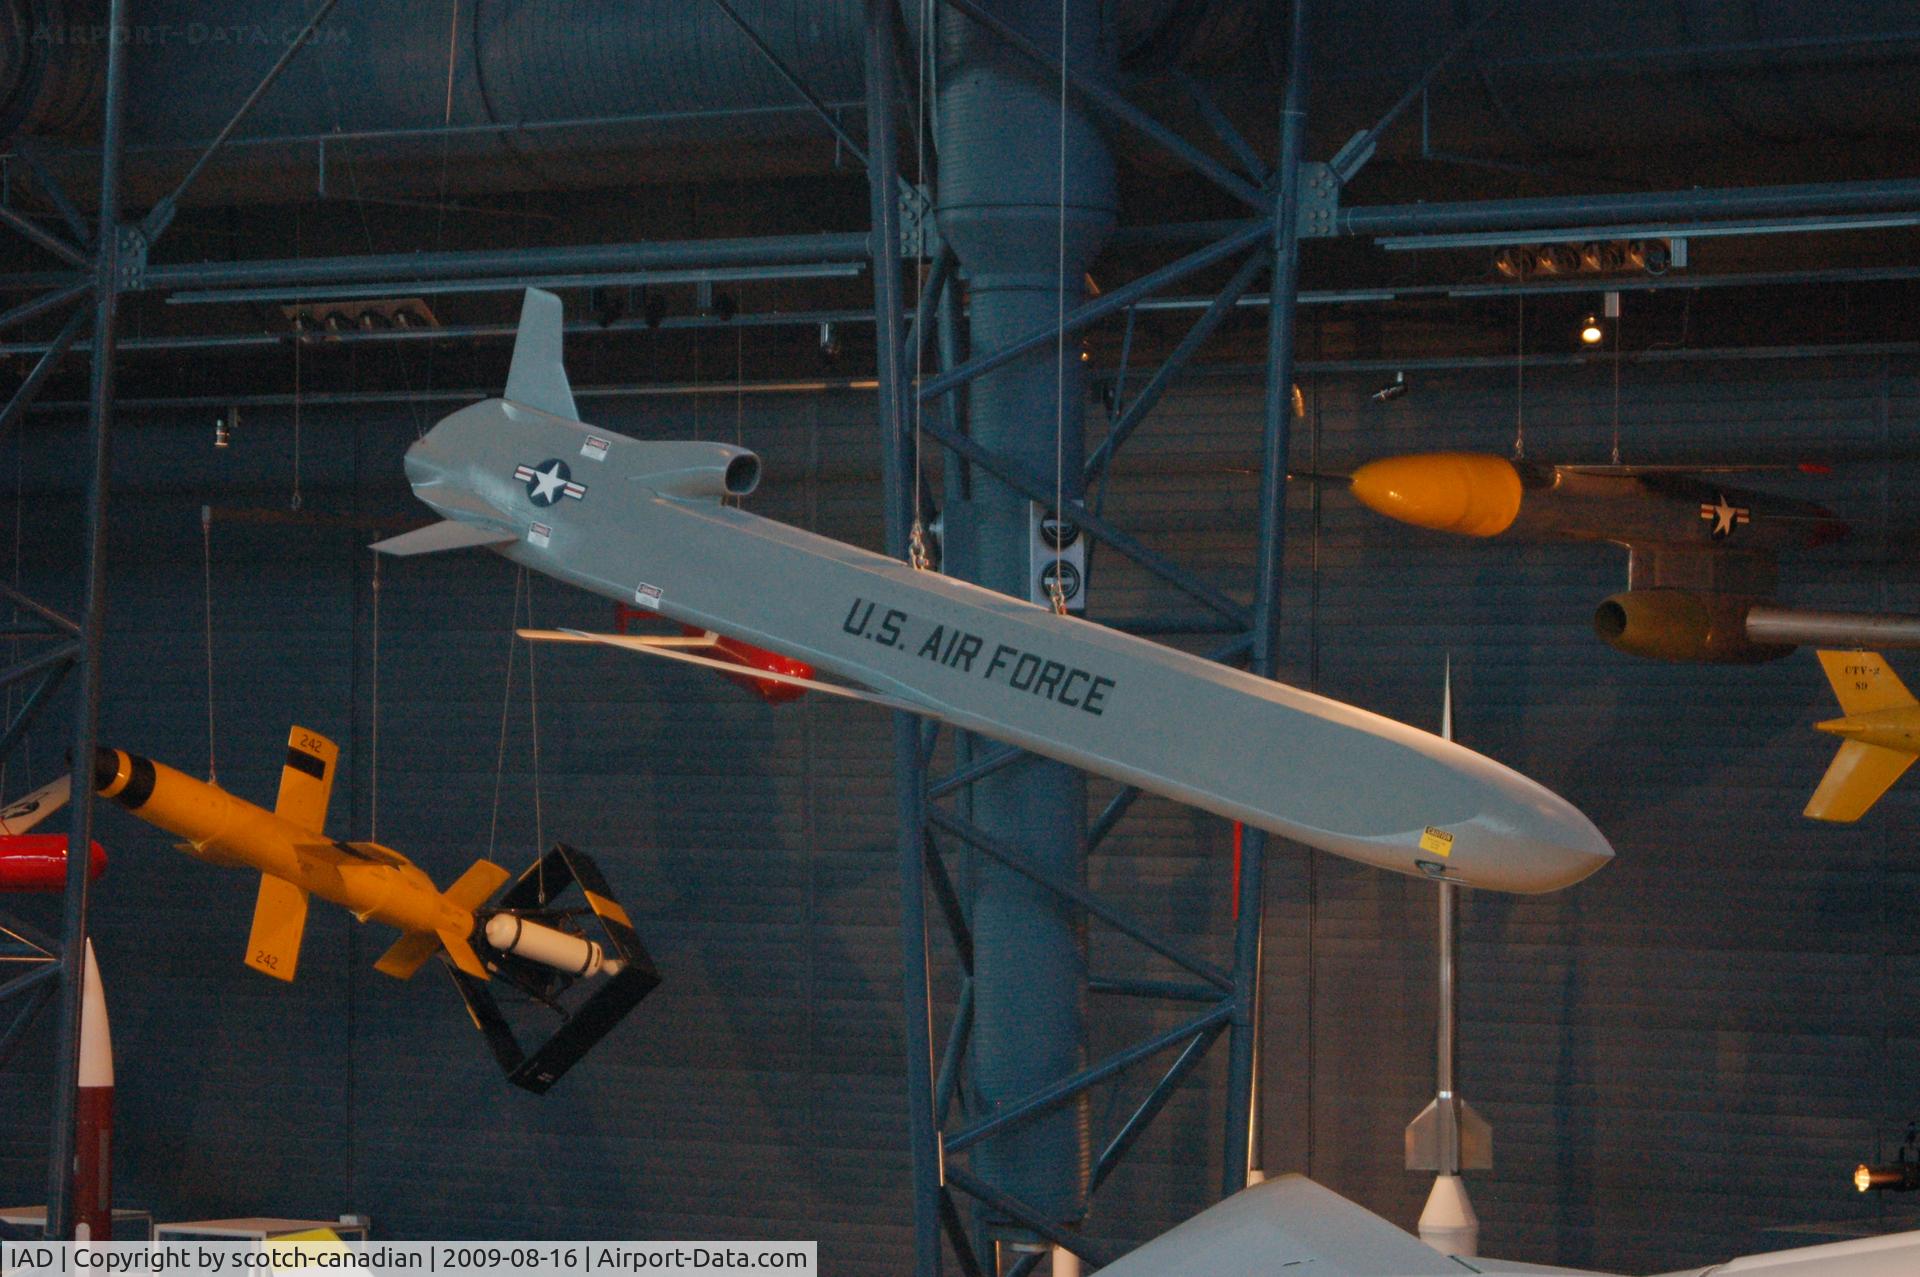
1863,682
462,954
472,888
1856,778
408,954
536,377
279,924
306,780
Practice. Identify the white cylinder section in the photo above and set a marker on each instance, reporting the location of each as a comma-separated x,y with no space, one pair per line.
1448,1224
548,946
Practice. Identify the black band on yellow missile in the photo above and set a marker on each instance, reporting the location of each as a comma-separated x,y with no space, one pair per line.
128,779
301,761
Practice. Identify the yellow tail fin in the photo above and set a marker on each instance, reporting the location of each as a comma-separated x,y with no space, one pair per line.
1859,774
1863,682
279,923
408,954
472,888
306,781
411,951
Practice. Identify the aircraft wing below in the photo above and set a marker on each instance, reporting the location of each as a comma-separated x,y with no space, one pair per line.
1292,1224
22,814
674,648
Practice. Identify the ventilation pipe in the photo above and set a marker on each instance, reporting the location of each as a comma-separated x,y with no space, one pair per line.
1000,203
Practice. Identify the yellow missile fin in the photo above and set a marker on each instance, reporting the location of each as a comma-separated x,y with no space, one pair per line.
279,922
306,781
1863,682
462,953
1859,774
408,954
411,951
473,887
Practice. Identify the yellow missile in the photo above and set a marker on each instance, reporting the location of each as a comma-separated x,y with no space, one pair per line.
296,859
1471,493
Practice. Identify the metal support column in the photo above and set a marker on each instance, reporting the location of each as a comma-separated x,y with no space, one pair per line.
909,771
1243,1115
106,297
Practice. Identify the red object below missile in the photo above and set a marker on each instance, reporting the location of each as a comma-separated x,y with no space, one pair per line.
38,862
750,657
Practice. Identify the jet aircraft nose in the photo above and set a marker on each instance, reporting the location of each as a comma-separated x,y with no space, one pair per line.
1470,493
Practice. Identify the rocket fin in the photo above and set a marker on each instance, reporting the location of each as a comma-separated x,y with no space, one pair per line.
306,780
1856,778
279,922
1863,682
408,954
462,953
536,377
448,534
473,887
1428,1139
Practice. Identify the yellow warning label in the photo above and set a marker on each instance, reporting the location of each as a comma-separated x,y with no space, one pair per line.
1437,841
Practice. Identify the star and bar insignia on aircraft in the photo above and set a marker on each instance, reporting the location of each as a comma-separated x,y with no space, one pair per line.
549,481
1724,515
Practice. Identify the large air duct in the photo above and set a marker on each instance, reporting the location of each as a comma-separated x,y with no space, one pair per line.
1019,227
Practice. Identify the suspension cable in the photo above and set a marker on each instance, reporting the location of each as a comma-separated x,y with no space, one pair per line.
206,577
1056,591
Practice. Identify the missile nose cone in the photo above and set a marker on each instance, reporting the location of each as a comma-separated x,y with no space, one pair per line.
1470,493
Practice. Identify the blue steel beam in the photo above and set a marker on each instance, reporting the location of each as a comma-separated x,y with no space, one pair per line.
100,388
35,702
1243,1113
1256,168
161,215
1879,195
1119,108
947,1083
978,769
1175,363
1149,1108
50,187
29,388
1018,861
1170,990
43,303
42,238
1059,1092
1246,236
957,1236
1016,1209
909,773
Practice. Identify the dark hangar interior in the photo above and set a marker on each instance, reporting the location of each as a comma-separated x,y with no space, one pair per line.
1682,1058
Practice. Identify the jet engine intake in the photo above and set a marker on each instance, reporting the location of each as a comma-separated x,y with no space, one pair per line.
1683,625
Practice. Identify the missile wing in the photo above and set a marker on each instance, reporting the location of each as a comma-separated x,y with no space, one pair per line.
541,947
1702,556
650,524
1879,729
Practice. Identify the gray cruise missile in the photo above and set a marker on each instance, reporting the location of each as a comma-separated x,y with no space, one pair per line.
649,524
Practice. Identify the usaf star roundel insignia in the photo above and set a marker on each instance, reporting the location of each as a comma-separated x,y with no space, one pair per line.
549,481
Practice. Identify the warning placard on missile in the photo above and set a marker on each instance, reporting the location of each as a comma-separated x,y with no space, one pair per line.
1437,841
